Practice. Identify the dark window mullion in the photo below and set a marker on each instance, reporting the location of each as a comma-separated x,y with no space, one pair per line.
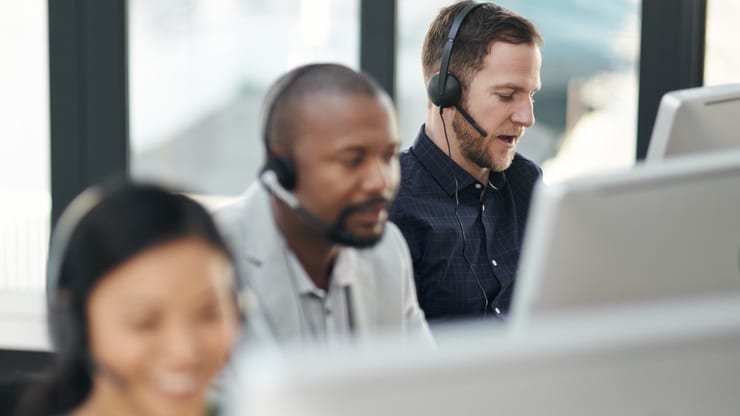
378,42
88,95
671,57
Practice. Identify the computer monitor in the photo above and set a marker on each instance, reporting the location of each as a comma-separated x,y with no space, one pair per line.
657,232
676,361
23,320
696,120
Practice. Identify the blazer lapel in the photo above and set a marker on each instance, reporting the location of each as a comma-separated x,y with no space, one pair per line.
264,266
279,298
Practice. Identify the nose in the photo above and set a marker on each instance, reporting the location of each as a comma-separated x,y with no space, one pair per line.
182,346
524,114
381,175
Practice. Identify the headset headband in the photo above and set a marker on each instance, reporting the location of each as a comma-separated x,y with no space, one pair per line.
447,51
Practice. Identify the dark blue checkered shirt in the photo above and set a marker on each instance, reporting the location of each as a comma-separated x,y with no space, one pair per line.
493,217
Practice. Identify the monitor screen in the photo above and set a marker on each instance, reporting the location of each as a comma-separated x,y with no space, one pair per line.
696,120
679,361
657,232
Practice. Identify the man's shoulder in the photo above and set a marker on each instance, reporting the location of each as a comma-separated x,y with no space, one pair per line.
415,176
410,164
235,210
418,192
523,172
522,165
248,210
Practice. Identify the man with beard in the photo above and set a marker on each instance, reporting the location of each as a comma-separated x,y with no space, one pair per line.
311,237
465,191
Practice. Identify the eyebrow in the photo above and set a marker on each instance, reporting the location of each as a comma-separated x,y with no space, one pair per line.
139,300
509,85
353,150
134,297
363,149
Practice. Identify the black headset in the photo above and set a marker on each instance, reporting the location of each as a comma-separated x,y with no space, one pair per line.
283,166
444,89
62,326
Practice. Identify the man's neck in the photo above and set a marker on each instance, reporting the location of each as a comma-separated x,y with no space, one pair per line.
316,258
314,252
436,131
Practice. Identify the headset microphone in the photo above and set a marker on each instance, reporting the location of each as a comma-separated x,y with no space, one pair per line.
470,120
333,232
269,179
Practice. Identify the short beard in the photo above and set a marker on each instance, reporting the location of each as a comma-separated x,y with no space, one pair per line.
344,237
474,147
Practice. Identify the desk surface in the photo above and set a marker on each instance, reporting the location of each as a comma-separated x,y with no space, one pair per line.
23,321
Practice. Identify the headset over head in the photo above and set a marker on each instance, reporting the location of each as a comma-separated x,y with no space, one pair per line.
444,89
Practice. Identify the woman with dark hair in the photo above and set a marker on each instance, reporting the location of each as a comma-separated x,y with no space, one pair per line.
142,306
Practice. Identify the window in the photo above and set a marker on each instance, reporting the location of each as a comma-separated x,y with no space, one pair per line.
24,139
587,109
199,71
722,62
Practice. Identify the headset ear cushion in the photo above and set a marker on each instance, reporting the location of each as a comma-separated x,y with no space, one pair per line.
61,324
447,98
284,169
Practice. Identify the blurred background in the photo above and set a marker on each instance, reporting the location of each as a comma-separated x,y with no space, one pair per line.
197,71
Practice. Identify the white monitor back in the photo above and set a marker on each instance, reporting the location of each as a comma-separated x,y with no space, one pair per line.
696,120
23,324
658,232
679,361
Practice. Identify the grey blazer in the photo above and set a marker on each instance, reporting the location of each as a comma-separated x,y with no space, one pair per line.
383,293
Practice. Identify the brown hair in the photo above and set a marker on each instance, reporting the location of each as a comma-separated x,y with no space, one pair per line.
484,25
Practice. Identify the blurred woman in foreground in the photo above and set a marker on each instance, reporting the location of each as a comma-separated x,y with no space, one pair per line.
142,306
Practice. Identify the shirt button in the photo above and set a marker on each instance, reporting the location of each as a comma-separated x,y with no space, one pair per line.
497,310
477,186
494,263
327,312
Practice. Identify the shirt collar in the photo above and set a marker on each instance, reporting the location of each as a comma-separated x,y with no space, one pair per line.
439,165
341,273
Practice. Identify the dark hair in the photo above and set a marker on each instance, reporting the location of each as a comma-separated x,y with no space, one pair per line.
101,229
282,105
484,25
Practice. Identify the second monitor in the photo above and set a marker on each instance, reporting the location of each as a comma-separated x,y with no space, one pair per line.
658,232
696,120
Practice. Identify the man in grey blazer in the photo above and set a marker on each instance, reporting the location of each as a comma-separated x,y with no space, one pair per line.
311,237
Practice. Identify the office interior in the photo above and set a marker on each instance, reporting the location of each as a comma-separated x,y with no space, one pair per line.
170,91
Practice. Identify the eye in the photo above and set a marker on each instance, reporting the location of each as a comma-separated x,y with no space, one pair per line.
351,159
145,325
352,162
209,315
505,98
